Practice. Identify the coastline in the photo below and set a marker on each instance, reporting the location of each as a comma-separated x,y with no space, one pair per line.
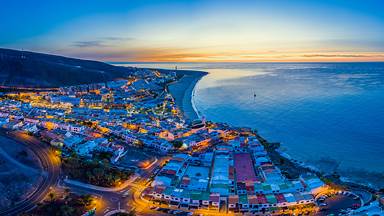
183,87
182,91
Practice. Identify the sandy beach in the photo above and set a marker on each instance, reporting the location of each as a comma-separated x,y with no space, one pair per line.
182,92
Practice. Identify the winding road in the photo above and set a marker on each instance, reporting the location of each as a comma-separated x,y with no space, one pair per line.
51,172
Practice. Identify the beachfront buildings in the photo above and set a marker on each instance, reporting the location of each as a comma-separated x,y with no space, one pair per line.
237,175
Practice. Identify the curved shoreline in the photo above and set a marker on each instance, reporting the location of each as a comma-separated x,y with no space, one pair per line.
193,99
182,91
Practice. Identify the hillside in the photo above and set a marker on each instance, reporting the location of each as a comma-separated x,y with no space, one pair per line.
30,69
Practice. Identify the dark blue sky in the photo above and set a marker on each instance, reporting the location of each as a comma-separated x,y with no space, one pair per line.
193,30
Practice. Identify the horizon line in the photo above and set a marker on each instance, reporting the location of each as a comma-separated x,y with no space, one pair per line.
218,62
336,60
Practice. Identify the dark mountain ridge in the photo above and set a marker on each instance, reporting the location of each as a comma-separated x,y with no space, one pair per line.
30,69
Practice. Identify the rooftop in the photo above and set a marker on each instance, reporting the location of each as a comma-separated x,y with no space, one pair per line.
245,171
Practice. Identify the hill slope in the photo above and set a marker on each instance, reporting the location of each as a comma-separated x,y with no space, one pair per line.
29,69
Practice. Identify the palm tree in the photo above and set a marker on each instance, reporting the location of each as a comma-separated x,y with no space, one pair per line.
99,172
132,213
66,192
52,196
65,210
87,199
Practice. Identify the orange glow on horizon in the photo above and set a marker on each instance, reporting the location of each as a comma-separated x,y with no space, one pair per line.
263,57
233,55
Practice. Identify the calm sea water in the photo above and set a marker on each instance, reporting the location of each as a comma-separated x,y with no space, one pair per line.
330,115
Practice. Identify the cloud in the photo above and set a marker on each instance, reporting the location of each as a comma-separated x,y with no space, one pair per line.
113,38
112,49
342,55
101,42
87,44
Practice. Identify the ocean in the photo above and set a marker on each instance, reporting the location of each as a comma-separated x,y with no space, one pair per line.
328,115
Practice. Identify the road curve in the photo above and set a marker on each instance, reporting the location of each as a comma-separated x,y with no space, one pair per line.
51,167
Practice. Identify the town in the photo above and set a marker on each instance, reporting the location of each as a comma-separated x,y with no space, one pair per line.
129,134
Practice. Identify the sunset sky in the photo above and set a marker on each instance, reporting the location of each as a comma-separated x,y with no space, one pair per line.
197,31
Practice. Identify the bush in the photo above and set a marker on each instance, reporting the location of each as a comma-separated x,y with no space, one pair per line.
177,144
71,205
94,172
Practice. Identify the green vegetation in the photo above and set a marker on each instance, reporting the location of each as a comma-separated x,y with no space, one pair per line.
70,205
96,172
131,213
326,180
101,156
177,144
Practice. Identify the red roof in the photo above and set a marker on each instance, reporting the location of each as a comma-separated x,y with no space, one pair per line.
253,200
231,173
214,197
159,189
169,172
280,198
179,159
244,168
250,187
185,180
148,190
233,199
261,199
